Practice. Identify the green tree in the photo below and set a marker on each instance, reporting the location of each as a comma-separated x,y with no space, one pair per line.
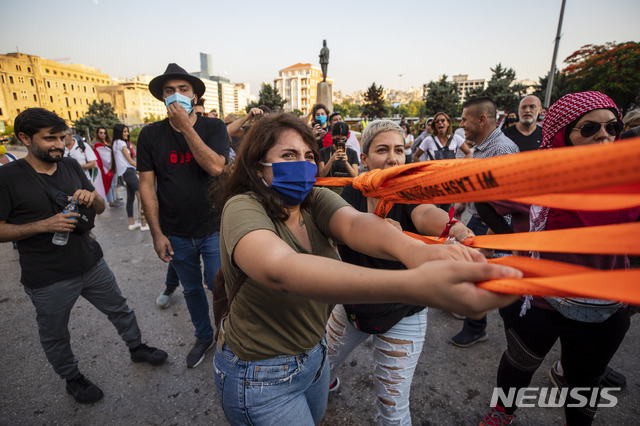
410,109
502,90
416,109
99,114
374,102
610,68
8,132
442,96
268,96
560,87
152,118
133,136
297,112
346,108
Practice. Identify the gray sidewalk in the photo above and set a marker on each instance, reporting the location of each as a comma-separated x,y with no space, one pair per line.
452,386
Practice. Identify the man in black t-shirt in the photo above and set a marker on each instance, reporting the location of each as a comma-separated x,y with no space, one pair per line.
526,133
54,276
179,155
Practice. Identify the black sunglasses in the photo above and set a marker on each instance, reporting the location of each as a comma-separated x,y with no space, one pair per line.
590,128
440,120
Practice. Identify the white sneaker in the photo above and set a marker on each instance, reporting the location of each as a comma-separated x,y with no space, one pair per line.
134,226
145,228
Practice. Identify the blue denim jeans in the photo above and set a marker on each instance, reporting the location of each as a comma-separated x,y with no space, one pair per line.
111,195
186,261
172,279
285,390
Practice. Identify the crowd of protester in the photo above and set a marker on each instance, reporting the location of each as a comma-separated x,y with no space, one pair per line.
310,271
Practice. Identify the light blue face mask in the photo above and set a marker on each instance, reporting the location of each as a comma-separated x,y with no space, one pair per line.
181,99
322,119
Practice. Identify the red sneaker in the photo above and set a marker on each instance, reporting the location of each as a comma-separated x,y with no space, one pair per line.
497,417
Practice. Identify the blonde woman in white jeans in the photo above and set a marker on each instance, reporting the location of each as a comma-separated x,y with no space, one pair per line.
398,329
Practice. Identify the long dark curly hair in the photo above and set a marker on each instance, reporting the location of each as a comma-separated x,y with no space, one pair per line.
243,179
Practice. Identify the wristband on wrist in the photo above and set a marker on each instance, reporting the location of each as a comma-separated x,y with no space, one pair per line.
449,225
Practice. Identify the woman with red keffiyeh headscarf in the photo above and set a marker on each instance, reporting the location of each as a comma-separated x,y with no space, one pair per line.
588,340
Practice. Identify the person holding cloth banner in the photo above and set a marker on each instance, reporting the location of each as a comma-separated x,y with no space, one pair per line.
270,364
398,329
584,326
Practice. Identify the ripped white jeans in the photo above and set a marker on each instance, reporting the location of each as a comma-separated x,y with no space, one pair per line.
395,356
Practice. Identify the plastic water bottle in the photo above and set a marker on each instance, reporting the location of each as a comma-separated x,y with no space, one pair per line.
61,238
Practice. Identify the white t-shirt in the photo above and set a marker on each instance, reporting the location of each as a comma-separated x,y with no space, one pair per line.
354,143
408,143
81,157
121,161
430,145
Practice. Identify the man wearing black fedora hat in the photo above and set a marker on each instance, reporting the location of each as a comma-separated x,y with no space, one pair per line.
180,155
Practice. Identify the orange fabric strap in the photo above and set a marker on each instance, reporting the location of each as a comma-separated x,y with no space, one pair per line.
548,278
605,239
333,181
513,177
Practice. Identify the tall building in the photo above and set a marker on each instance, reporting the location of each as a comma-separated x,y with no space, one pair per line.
297,85
211,95
465,85
530,85
241,96
206,63
227,98
28,81
131,100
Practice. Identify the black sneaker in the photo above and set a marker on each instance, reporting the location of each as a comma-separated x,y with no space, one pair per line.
83,391
557,377
144,353
613,379
197,353
464,339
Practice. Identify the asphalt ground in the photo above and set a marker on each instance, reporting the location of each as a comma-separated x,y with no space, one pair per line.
451,386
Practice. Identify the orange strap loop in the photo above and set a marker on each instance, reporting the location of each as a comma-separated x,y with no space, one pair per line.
333,181
605,239
548,278
509,177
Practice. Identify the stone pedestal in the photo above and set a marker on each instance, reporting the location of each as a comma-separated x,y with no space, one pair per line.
325,95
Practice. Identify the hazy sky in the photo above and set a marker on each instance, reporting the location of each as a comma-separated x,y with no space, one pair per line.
250,41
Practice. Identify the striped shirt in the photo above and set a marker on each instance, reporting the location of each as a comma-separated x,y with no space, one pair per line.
494,145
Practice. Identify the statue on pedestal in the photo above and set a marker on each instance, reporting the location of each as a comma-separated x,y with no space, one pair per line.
324,59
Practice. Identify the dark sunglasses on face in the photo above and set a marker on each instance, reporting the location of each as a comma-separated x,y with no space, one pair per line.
440,120
199,114
590,128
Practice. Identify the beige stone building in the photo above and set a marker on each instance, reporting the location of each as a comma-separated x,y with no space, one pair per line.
131,100
465,85
28,81
297,84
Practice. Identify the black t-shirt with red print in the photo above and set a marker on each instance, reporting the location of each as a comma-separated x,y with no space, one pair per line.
182,185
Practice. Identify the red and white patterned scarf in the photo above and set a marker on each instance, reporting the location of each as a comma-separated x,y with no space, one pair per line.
562,113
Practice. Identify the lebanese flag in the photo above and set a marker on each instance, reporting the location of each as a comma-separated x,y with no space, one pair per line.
105,177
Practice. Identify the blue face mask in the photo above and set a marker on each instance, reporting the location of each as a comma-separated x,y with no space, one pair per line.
322,119
293,180
181,99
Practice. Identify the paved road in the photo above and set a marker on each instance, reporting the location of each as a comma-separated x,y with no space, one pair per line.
452,386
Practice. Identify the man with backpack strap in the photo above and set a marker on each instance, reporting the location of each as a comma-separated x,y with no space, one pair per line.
77,150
